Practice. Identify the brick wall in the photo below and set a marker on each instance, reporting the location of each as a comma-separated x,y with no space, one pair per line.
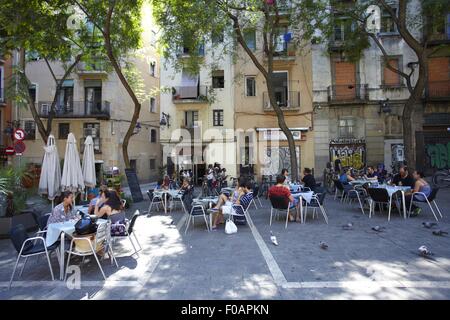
391,78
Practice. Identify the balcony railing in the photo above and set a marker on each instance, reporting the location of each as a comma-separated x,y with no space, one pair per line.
97,66
97,145
438,89
290,102
288,52
190,94
77,109
348,93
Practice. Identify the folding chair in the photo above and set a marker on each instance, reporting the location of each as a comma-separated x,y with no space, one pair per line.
416,197
280,204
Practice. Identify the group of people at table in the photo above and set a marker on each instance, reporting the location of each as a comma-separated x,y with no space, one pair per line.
107,205
243,194
415,180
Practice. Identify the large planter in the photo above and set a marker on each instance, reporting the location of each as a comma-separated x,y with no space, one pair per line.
6,223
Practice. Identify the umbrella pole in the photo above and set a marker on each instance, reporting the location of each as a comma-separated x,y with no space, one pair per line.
53,204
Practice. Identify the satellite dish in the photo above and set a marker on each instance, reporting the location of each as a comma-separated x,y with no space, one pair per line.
374,19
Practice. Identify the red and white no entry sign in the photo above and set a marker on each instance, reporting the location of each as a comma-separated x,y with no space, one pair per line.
19,134
10,151
19,147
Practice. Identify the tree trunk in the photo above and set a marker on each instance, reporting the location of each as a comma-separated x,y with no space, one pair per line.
283,126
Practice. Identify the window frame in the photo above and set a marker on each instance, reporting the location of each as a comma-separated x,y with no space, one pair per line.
153,160
384,15
352,131
220,118
399,59
153,139
59,130
97,136
29,137
246,86
152,107
152,68
214,83
245,33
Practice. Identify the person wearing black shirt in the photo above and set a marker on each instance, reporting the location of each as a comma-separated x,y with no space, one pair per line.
403,178
308,179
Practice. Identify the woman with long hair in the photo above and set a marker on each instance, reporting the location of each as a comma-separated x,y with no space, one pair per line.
64,211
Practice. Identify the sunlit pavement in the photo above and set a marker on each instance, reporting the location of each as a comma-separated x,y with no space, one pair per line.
359,263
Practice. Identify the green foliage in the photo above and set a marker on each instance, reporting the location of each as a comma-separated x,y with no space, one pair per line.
11,185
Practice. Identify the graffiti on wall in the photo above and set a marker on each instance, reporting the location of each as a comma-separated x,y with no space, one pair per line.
351,155
276,159
438,155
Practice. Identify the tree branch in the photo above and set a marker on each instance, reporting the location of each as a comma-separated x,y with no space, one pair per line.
51,70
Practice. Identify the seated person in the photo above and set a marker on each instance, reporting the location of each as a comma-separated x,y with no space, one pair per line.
223,198
371,174
110,207
403,178
244,200
345,177
159,184
94,200
285,173
308,179
64,211
420,186
166,183
186,186
280,190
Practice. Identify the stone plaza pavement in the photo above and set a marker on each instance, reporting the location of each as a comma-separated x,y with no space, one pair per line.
359,263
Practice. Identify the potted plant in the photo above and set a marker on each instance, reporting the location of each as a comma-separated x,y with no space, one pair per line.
13,197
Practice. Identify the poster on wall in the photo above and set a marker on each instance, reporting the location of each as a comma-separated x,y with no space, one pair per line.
276,159
351,152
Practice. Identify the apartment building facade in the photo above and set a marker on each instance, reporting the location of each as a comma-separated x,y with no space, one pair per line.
94,102
360,104
264,150
197,113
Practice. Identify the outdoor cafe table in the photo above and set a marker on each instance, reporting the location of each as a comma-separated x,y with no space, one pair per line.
307,196
393,190
359,182
163,193
57,231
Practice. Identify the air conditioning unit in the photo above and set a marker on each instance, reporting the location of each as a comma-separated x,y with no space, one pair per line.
45,108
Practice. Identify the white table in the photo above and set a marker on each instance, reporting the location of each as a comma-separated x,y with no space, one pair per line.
394,189
307,196
163,194
59,230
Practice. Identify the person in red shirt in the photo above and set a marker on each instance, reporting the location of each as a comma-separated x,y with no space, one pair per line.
281,190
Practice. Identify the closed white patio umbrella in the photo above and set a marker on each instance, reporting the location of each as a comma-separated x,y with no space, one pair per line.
72,176
50,180
88,167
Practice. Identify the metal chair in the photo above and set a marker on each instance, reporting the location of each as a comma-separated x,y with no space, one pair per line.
197,210
358,193
177,199
129,228
317,201
280,204
380,196
154,199
339,189
428,200
27,247
256,194
100,242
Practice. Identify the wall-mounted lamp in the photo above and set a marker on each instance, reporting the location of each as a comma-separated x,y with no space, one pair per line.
385,107
165,120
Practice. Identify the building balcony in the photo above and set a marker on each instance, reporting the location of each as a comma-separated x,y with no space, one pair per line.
438,90
348,93
291,102
77,109
94,68
190,94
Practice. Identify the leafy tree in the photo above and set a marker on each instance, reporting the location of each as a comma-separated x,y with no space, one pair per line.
119,24
189,24
413,20
41,28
